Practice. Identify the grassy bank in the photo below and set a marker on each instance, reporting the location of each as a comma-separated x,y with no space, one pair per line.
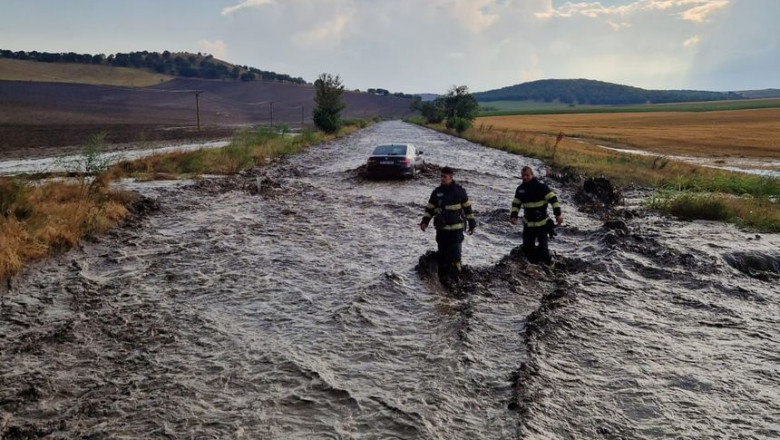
38,218
247,149
684,190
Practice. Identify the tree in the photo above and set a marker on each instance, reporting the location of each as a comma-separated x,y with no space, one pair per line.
433,112
327,97
459,103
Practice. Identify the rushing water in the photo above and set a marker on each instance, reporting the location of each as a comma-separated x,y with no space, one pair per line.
304,310
77,162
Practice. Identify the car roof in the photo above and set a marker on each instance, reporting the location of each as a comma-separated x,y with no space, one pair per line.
403,144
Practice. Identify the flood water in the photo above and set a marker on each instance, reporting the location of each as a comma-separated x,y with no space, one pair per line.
76,162
304,311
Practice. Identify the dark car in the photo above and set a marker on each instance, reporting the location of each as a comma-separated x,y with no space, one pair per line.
394,160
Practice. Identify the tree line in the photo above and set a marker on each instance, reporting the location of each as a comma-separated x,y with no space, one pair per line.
385,92
457,109
168,63
585,91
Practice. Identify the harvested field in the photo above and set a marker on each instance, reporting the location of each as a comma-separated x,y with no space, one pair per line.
36,114
21,70
740,133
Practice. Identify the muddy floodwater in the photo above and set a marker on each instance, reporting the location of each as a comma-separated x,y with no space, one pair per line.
307,307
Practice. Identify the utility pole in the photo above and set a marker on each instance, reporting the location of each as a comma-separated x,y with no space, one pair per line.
197,106
272,113
301,117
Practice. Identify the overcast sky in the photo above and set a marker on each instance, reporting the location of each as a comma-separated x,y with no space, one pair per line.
419,46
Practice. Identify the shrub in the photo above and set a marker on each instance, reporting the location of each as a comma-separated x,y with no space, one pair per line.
327,96
458,124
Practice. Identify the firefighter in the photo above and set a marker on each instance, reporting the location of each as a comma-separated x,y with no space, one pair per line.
450,208
533,196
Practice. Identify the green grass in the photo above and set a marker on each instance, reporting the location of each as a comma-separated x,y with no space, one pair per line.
506,108
760,214
248,148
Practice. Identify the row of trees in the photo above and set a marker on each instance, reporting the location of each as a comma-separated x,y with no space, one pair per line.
385,92
457,108
176,64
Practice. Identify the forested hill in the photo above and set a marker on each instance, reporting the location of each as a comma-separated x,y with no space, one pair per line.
585,91
176,64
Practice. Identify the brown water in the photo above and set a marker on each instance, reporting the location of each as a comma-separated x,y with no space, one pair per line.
310,309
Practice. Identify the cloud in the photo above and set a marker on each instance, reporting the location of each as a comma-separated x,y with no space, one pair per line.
693,41
701,13
329,33
474,15
216,48
693,10
414,46
618,26
245,4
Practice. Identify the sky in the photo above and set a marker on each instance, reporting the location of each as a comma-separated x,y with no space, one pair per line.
427,46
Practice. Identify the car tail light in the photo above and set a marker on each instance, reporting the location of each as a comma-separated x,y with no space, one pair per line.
406,162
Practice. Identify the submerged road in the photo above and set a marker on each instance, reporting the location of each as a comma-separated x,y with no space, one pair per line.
298,312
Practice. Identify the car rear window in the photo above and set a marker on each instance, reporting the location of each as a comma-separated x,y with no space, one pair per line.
390,150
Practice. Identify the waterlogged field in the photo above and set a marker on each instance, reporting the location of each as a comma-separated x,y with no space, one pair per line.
739,133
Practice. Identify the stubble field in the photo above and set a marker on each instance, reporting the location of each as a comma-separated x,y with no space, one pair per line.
741,133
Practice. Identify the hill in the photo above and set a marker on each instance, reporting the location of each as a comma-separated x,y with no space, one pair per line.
168,63
760,94
590,92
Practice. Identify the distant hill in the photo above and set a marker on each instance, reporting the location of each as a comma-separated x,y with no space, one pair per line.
182,64
590,92
759,94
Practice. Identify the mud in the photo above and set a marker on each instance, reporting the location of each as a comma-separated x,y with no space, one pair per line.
301,301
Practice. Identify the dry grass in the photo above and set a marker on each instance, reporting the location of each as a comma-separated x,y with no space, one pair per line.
741,133
40,219
247,149
22,70
689,191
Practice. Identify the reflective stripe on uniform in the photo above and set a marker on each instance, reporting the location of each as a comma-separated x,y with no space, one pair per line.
549,195
455,227
515,209
556,205
516,201
539,204
454,207
470,217
426,215
430,206
535,224
467,204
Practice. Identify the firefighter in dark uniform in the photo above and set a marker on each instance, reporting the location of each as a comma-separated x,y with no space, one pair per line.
533,196
450,208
